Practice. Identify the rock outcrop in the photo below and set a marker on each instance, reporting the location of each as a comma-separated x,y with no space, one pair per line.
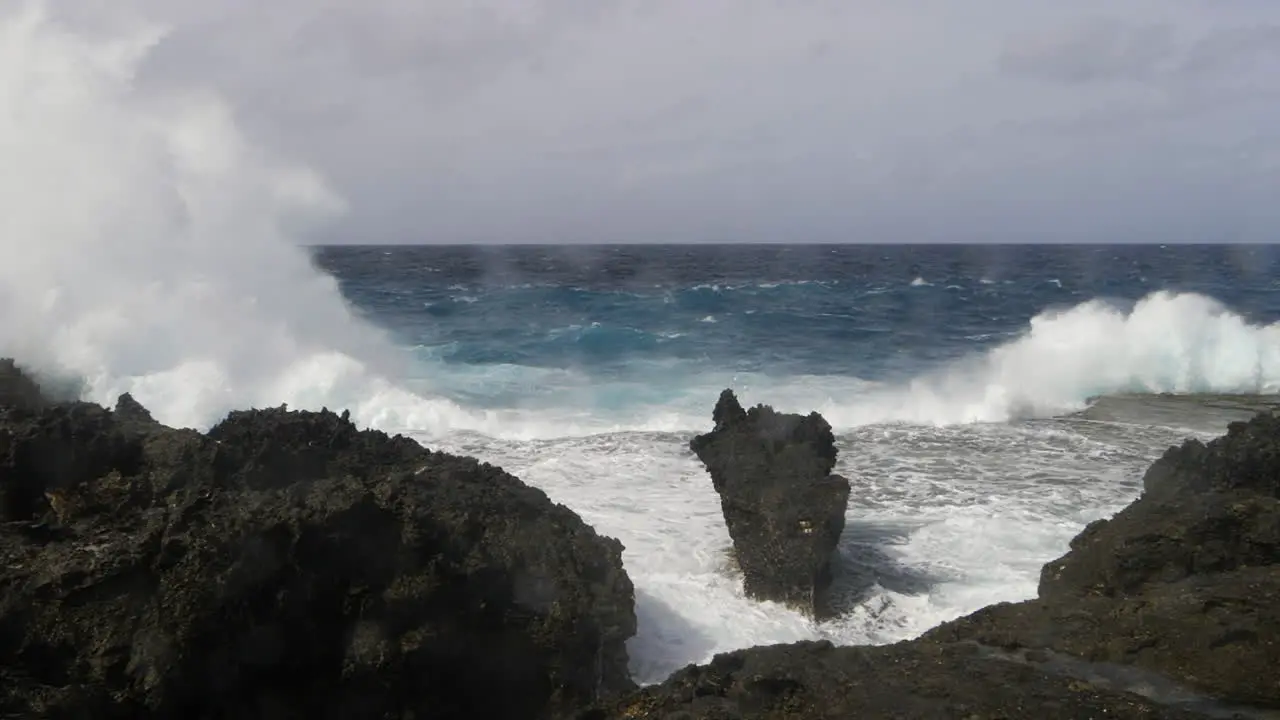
783,507
1171,609
17,390
287,565
1184,582
908,681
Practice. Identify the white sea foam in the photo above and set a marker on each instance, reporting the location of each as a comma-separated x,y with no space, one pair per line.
1165,343
942,520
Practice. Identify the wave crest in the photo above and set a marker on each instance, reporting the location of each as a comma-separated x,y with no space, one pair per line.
1165,343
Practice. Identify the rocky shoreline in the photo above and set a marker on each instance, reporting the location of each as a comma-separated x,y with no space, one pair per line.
287,565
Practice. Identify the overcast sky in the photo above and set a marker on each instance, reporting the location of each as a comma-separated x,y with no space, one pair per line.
754,120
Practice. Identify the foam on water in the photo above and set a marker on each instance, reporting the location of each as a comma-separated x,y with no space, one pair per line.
148,248
942,521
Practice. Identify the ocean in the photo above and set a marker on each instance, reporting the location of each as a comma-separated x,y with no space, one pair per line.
988,401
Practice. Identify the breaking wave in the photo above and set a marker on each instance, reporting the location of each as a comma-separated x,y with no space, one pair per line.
1164,343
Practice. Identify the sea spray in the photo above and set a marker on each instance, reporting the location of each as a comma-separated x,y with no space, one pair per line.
148,244
1165,343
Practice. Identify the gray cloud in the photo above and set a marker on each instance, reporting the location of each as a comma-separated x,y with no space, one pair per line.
665,120
1093,50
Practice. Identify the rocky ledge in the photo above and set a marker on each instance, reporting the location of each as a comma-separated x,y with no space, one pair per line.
287,565
1171,609
1185,582
783,507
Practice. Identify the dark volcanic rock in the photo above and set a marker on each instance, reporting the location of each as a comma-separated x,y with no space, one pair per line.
17,390
130,410
908,681
287,565
1184,581
1246,458
1158,541
783,508
1212,633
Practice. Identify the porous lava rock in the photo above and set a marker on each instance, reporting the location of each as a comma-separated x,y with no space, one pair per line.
1185,581
907,681
783,507
287,565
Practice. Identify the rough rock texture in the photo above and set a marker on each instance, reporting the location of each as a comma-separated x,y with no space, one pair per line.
783,508
16,389
1213,635
1184,581
813,680
1170,609
287,565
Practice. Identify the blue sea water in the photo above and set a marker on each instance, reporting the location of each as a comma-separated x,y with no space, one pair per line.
792,308
989,401
613,328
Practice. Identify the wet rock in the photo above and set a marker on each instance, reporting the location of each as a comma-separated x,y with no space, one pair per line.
908,681
288,565
1183,582
1155,541
1246,458
1215,634
783,507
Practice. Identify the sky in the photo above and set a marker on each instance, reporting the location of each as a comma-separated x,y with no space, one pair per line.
460,121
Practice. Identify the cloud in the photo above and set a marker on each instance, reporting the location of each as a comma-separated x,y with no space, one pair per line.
1091,51
666,120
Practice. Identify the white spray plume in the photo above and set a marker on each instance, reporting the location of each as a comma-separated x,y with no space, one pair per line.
147,245
1165,343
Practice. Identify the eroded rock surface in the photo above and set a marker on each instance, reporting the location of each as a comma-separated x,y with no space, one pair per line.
783,507
287,565
17,390
1185,581
908,681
